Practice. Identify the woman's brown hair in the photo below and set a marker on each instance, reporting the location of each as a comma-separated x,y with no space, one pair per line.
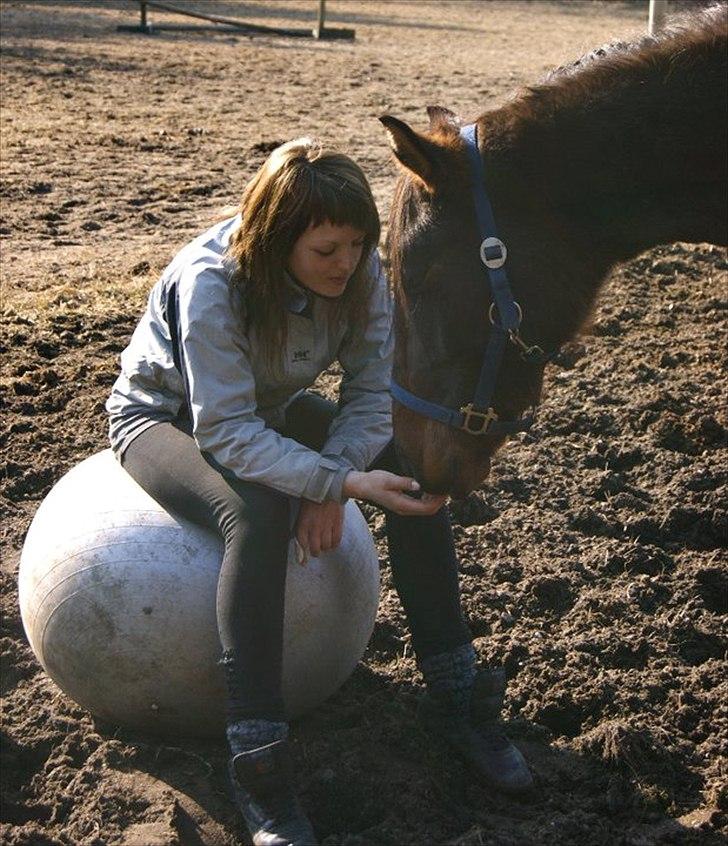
301,184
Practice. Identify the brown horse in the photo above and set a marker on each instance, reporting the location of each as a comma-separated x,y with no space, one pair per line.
618,152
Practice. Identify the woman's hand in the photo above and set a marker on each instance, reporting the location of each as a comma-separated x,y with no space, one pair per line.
391,492
318,527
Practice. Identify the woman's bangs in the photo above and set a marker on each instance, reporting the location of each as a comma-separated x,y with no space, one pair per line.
342,206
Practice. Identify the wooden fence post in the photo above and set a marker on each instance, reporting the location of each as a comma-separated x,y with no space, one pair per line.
658,13
320,25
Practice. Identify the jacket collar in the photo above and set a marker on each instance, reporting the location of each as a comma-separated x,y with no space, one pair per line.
298,299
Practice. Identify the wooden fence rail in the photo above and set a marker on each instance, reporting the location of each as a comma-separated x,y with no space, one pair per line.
218,23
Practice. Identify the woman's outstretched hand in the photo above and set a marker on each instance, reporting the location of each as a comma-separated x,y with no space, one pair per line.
320,524
392,492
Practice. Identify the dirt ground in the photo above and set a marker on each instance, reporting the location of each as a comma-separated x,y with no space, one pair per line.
593,559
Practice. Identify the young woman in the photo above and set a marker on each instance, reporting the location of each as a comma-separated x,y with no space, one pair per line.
211,416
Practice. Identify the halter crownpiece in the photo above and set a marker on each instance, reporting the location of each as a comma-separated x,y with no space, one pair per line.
479,417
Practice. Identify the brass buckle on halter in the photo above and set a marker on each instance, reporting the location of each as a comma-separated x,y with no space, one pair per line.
483,420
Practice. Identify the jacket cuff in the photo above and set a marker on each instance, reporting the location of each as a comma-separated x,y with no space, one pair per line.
327,480
335,491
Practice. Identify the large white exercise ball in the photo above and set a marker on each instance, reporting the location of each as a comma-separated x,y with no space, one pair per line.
118,602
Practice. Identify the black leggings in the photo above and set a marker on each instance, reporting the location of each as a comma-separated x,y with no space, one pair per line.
254,522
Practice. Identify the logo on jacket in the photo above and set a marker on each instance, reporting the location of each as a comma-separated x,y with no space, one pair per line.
302,355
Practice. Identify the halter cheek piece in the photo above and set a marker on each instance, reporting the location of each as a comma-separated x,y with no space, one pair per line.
478,417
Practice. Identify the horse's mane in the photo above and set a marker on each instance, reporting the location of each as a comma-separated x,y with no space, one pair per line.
591,77
688,28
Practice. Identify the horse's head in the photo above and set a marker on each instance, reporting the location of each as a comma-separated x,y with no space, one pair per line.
442,307
606,158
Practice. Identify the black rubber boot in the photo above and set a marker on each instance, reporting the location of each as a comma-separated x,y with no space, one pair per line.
476,733
262,780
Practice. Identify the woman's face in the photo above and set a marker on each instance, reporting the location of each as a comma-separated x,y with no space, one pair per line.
325,256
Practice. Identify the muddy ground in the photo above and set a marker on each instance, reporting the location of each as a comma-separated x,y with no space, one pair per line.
593,560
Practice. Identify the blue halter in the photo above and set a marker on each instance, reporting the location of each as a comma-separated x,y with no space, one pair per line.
478,417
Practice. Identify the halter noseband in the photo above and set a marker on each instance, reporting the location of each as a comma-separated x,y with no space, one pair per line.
478,417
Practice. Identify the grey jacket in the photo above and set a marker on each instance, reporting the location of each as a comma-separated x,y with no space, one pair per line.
236,404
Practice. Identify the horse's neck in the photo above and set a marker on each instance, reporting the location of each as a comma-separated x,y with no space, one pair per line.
583,187
627,167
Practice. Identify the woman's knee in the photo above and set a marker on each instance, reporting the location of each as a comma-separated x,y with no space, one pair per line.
255,516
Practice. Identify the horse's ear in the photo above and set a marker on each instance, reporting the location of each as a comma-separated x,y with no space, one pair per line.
414,152
442,118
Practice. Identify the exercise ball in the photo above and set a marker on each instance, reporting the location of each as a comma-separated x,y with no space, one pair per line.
118,603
